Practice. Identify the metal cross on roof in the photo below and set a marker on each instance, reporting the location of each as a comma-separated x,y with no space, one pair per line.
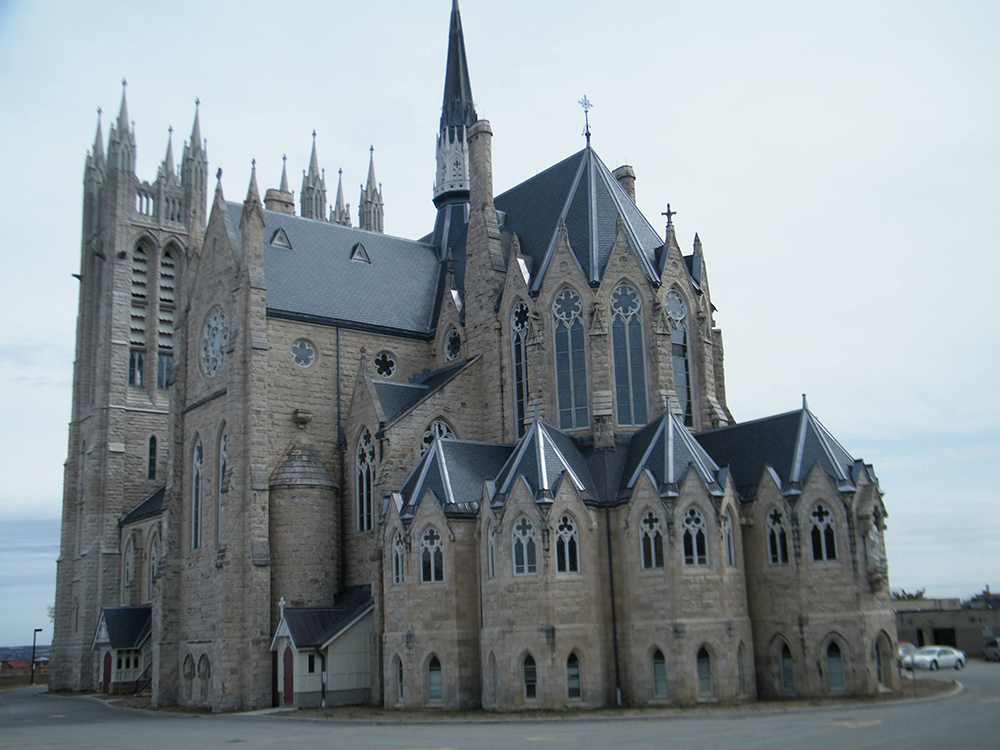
587,106
669,214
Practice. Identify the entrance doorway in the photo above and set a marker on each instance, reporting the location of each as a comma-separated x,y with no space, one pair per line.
106,683
288,685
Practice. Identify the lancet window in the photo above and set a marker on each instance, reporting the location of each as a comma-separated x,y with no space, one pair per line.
677,319
523,541
567,546
824,540
431,557
520,321
777,538
629,357
571,360
695,538
651,538
365,465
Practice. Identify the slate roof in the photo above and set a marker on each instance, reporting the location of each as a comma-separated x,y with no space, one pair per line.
315,627
316,280
127,626
302,467
151,507
790,444
545,456
396,398
454,472
667,450
582,192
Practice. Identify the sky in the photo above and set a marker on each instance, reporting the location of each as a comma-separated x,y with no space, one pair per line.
840,162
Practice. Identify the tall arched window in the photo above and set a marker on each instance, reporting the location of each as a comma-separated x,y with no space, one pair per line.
704,672
491,551
151,462
223,485
365,465
154,561
567,546
398,558
628,349
434,679
520,320
677,319
787,670
835,667
824,541
777,538
651,537
137,325
530,678
573,676
659,674
571,360
729,539
436,429
165,318
695,538
523,541
431,557
196,488
399,678
129,561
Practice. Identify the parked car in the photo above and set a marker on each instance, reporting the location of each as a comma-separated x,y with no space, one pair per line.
991,649
905,651
934,657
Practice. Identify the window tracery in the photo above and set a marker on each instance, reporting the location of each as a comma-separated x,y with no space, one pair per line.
695,538
520,321
651,539
677,321
385,364
431,557
729,539
452,345
398,558
523,540
777,538
570,360
365,470
196,487
628,350
303,353
824,540
567,546
436,429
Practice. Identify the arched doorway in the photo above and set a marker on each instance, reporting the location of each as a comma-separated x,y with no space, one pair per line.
288,686
106,685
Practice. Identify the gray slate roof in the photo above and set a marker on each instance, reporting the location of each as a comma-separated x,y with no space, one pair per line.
127,626
151,507
302,467
545,456
454,472
316,280
396,398
314,627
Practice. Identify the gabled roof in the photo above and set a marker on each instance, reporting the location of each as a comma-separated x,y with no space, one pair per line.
582,192
546,457
453,471
396,398
125,627
667,450
318,627
316,280
151,507
791,444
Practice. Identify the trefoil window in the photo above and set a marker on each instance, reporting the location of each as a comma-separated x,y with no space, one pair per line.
567,546
824,541
652,541
695,538
365,480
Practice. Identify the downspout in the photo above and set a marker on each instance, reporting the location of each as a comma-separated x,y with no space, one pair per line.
322,670
614,615
341,448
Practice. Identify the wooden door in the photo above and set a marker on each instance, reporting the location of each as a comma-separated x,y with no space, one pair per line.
288,686
106,686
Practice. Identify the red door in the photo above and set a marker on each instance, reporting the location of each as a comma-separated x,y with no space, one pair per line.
106,687
288,688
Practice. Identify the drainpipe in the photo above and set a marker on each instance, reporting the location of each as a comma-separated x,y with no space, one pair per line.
322,669
614,616
341,448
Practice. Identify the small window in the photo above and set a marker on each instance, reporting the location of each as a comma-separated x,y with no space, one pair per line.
729,540
399,679
151,461
164,369
659,675
695,539
398,558
303,352
312,663
523,542
385,364
196,488
567,546
787,670
520,321
777,539
530,678
359,253
434,679
835,667
280,239
824,542
741,655
431,557
651,538
491,552
136,367
573,676
365,471
436,429
704,673
452,346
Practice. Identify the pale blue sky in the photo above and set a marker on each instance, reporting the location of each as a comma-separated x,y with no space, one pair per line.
840,161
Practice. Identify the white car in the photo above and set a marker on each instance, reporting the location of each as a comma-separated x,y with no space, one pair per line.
934,657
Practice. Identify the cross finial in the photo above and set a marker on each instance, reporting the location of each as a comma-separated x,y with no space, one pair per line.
253,164
99,111
314,132
197,102
371,149
218,175
170,129
340,171
124,82
587,106
669,214
283,159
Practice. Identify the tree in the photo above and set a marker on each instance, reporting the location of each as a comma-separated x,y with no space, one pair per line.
904,595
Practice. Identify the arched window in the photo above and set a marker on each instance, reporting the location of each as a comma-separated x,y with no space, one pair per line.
523,541
777,539
695,538
824,542
787,670
434,679
398,557
659,674
729,539
137,324
567,546
676,309
704,672
399,679
520,320
165,322
431,557
835,667
452,346
365,480
151,461
140,272
436,429
651,538
628,349
154,560
223,485
491,551
573,676
530,678
129,561
196,487
571,360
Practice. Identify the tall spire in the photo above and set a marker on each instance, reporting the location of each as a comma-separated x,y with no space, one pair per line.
196,127
98,150
123,124
169,167
341,213
194,173
312,197
457,108
121,141
313,160
284,174
370,213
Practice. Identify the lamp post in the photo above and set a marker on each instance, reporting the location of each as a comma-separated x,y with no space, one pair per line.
34,636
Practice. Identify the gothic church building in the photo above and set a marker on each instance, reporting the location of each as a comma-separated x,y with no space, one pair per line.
314,464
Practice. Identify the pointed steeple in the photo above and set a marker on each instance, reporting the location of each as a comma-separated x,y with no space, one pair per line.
98,150
168,169
194,173
196,127
370,209
253,195
284,174
252,227
340,213
281,199
123,123
121,140
312,197
457,114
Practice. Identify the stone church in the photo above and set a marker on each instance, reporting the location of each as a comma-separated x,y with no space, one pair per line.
314,464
